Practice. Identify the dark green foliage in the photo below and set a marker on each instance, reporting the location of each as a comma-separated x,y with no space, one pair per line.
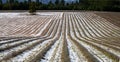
32,8
100,5
62,2
0,1
57,2
29,1
96,5
1,5
37,1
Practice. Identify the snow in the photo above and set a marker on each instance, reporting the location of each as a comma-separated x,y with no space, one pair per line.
99,55
74,57
50,53
10,15
8,53
28,53
21,24
1,42
13,43
23,14
89,29
117,53
43,29
57,49
52,19
94,52
46,14
72,49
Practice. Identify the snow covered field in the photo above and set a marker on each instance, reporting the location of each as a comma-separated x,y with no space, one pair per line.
58,37
21,24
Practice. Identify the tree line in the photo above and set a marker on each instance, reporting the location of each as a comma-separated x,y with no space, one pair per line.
97,5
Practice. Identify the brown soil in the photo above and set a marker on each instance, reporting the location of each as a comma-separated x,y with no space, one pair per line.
113,17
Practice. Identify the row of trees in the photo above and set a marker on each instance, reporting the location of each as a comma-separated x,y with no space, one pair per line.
99,5
108,5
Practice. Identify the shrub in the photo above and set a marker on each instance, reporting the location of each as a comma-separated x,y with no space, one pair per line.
32,8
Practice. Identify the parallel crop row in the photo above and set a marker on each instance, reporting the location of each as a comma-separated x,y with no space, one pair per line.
63,37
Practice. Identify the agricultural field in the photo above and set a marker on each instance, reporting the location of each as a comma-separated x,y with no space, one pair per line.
60,37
